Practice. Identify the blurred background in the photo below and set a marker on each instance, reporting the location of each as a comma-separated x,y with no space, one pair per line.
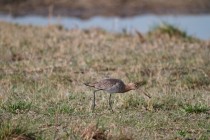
129,16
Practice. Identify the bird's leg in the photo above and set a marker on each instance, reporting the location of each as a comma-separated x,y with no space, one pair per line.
94,100
110,104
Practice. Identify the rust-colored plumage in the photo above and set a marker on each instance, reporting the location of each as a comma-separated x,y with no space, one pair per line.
111,86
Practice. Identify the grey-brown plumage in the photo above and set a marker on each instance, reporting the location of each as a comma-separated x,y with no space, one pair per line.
111,86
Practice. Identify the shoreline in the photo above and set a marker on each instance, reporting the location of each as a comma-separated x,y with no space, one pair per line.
89,8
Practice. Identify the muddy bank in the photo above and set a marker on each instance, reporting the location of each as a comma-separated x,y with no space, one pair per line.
89,8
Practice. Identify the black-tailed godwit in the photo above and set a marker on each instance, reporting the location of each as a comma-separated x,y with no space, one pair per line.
111,86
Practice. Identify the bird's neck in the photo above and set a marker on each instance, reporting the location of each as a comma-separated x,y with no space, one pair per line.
127,88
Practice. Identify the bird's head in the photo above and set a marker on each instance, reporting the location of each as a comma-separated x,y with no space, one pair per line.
132,86
136,85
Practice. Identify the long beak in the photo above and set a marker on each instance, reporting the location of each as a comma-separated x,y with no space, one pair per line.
145,93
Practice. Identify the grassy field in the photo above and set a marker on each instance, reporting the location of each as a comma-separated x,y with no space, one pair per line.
42,96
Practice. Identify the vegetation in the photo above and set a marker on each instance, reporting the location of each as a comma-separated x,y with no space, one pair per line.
42,96
170,31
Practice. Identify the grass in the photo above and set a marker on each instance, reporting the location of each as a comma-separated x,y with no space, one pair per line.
197,108
42,96
10,130
166,30
17,107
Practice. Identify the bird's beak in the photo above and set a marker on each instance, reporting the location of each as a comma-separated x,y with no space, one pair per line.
145,93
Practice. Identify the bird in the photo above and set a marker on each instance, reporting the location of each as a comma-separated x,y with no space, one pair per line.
111,86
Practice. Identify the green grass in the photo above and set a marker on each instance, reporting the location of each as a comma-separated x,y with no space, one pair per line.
17,107
197,108
13,129
170,30
42,95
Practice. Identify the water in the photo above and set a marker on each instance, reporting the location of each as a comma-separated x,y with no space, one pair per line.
195,25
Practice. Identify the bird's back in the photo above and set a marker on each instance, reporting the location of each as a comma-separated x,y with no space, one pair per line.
110,85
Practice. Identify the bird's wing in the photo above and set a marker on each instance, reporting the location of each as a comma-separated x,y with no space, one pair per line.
107,84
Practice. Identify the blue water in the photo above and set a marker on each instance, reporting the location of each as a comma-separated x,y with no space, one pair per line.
195,25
